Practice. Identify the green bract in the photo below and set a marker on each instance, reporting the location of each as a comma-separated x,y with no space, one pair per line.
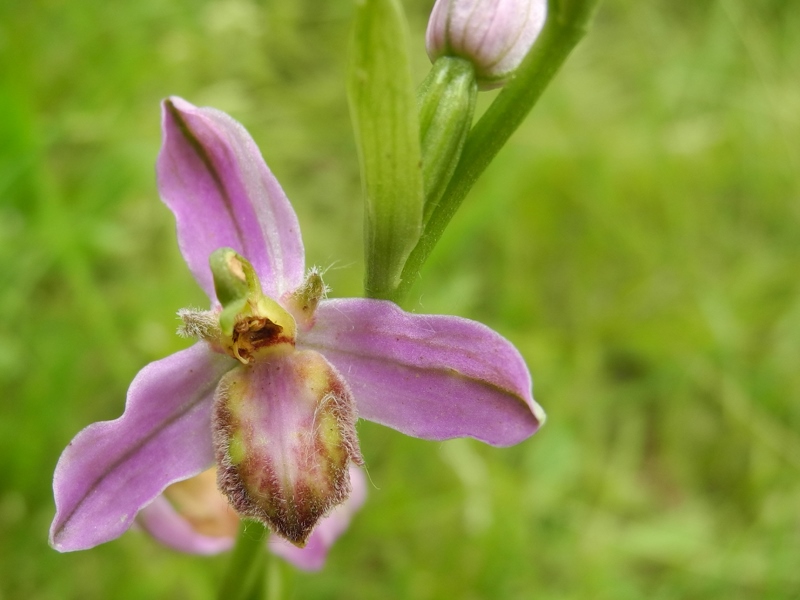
446,106
383,109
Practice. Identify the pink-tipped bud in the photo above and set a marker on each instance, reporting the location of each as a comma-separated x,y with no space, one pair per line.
494,35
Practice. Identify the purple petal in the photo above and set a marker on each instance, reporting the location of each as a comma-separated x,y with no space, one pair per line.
212,176
170,528
429,376
114,468
312,557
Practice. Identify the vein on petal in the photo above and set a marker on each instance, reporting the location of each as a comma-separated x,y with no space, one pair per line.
209,164
444,370
185,408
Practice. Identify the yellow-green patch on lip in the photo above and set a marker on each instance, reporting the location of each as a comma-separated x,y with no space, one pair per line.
284,438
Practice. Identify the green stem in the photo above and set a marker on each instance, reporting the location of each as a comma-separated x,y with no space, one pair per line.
246,576
566,26
279,579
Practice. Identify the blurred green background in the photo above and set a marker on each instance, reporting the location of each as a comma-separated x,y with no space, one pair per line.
638,239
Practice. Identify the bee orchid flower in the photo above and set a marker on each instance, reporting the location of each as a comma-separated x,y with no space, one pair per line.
269,394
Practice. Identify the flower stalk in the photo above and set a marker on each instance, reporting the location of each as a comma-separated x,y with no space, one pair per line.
567,24
246,575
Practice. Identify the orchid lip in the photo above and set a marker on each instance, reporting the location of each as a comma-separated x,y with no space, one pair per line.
284,437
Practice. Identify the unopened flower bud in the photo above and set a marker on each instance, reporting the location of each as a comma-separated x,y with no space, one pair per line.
495,35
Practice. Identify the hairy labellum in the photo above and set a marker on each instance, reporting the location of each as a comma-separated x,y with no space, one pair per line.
284,437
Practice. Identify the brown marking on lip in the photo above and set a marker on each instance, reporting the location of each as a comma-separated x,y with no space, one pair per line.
256,485
251,334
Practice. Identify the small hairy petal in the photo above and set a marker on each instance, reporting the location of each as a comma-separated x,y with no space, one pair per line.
284,437
428,376
114,468
213,178
312,556
199,324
